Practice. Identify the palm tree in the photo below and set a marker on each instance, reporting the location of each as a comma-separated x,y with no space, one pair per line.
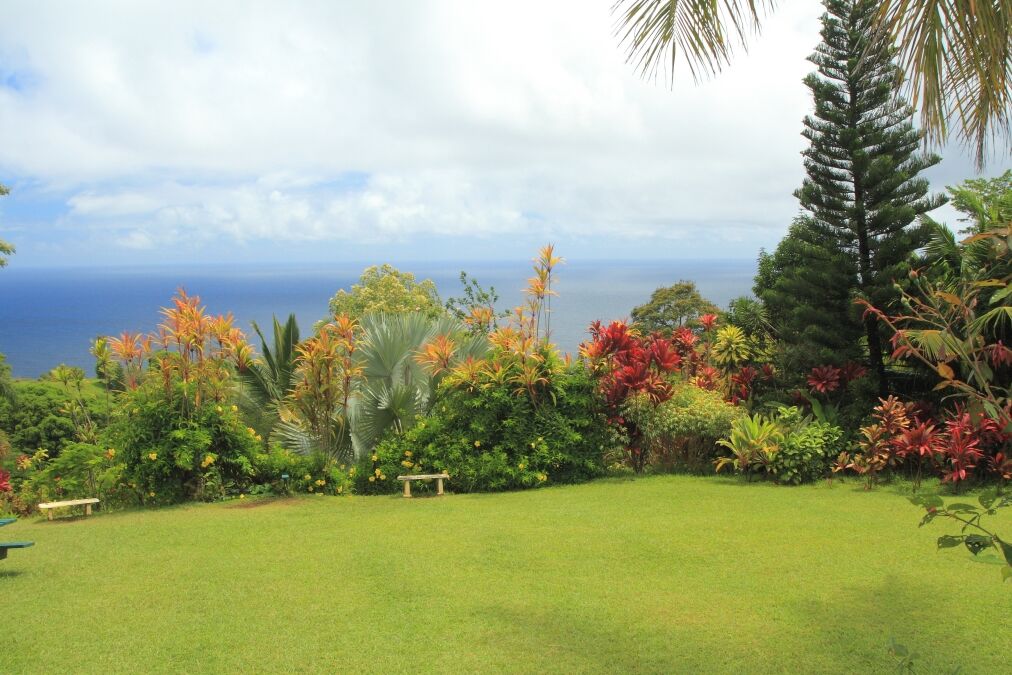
266,382
956,54
397,388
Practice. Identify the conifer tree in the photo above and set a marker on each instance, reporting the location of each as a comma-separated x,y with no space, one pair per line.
862,188
806,286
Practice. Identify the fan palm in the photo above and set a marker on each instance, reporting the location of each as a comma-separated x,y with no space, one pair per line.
397,388
956,54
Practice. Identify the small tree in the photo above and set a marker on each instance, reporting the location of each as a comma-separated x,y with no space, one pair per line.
385,289
672,307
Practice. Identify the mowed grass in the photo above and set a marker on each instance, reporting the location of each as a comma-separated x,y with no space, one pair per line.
663,574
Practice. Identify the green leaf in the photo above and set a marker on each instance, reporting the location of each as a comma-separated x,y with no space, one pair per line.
962,508
988,497
975,543
1006,549
1006,573
949,541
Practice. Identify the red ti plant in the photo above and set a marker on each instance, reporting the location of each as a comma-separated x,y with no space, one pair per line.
628,364
824,379
5,481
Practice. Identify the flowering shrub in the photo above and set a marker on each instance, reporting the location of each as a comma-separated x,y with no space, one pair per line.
490,437
168,456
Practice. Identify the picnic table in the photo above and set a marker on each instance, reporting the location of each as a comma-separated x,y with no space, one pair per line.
6,545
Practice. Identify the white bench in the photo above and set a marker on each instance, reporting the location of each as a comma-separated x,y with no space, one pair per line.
49,506
424,476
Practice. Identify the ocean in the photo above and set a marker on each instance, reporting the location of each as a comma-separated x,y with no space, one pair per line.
49,316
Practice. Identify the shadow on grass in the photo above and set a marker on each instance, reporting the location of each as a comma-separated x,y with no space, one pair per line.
570,640
10,574
891,609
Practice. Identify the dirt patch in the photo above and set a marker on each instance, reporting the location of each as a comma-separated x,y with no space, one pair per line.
265,501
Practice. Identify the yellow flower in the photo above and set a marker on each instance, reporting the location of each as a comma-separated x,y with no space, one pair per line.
321,482
152,456
340,489
110,453
242,496
307,477
521,466
259,437
372,479
383,476
374,458
407,464
235,408
351,471
477,444
151,494
252,431
220,409
310,488
377,472
407,453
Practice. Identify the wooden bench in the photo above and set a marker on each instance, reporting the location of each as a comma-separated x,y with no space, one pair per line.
5,545
49,506
440,477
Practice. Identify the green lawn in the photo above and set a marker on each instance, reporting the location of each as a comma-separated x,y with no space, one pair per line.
664,574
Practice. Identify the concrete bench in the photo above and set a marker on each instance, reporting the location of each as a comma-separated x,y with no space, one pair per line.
439,477
49,506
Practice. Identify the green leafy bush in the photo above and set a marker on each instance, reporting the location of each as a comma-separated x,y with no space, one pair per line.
281,471
173,449
785,445
40,416
808,448
682,432
492,438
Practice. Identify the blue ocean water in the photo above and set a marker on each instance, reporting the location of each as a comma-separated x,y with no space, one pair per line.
49,316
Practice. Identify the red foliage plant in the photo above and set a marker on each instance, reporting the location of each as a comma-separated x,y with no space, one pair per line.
628,364
5,481
824,379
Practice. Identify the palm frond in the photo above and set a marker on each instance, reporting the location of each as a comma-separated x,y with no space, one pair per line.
957,60
705,32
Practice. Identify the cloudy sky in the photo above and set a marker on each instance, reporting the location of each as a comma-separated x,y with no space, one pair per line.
246,132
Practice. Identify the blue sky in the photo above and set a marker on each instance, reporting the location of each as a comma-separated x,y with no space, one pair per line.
253,132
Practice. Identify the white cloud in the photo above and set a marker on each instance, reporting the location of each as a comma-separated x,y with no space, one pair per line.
194,121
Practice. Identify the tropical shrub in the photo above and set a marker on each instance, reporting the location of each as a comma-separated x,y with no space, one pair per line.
754,442
681,433
957,447
48,414
786,446
315,416
173,449
627,364
270,377
280,471
491,436
808,448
